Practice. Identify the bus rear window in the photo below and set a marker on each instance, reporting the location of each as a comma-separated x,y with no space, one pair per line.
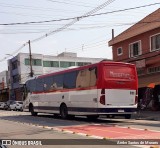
120,72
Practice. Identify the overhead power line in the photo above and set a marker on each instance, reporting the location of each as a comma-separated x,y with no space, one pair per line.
39,31
74,21
64,27
78,17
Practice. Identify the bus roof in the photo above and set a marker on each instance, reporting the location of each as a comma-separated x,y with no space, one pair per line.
86,66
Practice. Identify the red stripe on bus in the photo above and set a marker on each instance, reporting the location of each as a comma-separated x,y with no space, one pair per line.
66,90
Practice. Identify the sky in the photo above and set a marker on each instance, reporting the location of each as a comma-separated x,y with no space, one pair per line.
88,37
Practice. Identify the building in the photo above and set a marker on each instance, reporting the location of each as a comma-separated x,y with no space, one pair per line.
4,86
19,67
140,45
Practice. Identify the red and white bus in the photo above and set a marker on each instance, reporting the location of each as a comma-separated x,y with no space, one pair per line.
104,88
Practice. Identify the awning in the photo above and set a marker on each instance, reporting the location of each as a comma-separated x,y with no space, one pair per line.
152,85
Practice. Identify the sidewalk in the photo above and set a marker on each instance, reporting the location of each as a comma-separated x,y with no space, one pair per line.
147,115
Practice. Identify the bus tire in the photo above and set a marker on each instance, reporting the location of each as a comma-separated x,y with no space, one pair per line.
21,109
31,109
56,115
127,116
92,117
71,117
64,111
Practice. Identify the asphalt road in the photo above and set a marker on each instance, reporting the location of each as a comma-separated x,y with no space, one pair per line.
21,125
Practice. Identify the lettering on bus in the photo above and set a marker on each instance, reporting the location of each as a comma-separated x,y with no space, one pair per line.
121,75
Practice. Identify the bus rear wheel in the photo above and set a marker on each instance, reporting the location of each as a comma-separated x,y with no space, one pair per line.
128,116
31,108
64,111
92,117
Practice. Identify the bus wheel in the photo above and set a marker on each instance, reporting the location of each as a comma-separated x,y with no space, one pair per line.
71,117
92,117
128,116
64,111
56,115
31,108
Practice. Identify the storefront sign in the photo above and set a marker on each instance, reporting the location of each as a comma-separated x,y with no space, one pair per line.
141,63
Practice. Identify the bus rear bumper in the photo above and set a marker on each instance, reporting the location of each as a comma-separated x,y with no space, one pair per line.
117,111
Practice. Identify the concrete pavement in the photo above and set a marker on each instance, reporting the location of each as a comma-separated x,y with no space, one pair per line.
147,115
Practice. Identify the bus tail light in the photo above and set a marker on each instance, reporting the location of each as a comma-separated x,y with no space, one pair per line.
102,99
103,91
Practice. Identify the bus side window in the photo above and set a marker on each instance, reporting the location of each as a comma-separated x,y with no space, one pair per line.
93,76
58,79
48,81
39,84
31,86
87,77
69,81
27,87
83,78
53,86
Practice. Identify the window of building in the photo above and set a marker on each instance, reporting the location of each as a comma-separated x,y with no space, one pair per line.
135,49
82,63
35,62
50,64
140,71
26,61
154,69
66,64
119,51
155,42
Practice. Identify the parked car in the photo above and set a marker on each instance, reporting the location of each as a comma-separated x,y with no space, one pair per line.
19,105
3,105
16,105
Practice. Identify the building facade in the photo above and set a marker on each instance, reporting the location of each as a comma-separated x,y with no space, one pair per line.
4,86
19,68
140,45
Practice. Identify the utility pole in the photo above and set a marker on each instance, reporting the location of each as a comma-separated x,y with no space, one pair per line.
30,59
112,33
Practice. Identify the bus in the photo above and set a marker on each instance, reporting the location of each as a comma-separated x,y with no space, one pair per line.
104,88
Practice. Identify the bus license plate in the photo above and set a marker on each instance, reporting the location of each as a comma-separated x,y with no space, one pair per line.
120,110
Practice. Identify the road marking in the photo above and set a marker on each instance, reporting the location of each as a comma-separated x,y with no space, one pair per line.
113,132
